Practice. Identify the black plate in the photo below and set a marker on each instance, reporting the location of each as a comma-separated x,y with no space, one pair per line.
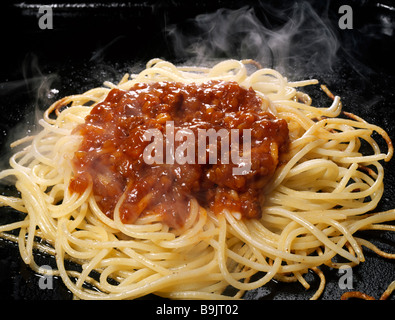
91,43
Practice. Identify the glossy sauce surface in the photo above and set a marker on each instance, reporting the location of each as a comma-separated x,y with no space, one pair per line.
111,152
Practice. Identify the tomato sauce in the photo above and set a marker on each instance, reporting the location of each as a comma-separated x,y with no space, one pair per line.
111,153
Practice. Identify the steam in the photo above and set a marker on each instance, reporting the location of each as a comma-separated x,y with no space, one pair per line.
296,40
30,95
35,87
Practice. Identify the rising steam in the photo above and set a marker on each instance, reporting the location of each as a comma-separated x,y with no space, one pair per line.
293,40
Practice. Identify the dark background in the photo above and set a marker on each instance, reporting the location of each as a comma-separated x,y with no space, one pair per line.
94,42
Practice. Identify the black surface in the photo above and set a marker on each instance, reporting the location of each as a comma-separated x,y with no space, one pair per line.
91,43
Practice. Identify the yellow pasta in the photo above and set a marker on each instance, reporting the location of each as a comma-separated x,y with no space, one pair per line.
323,193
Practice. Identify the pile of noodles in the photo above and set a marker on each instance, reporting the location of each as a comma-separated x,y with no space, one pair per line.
322,194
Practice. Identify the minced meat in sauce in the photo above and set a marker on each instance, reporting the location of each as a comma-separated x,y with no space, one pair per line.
111,152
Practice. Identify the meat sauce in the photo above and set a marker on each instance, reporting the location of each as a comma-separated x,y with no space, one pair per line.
111,152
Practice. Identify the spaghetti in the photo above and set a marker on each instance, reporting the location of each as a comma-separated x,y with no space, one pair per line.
323,191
